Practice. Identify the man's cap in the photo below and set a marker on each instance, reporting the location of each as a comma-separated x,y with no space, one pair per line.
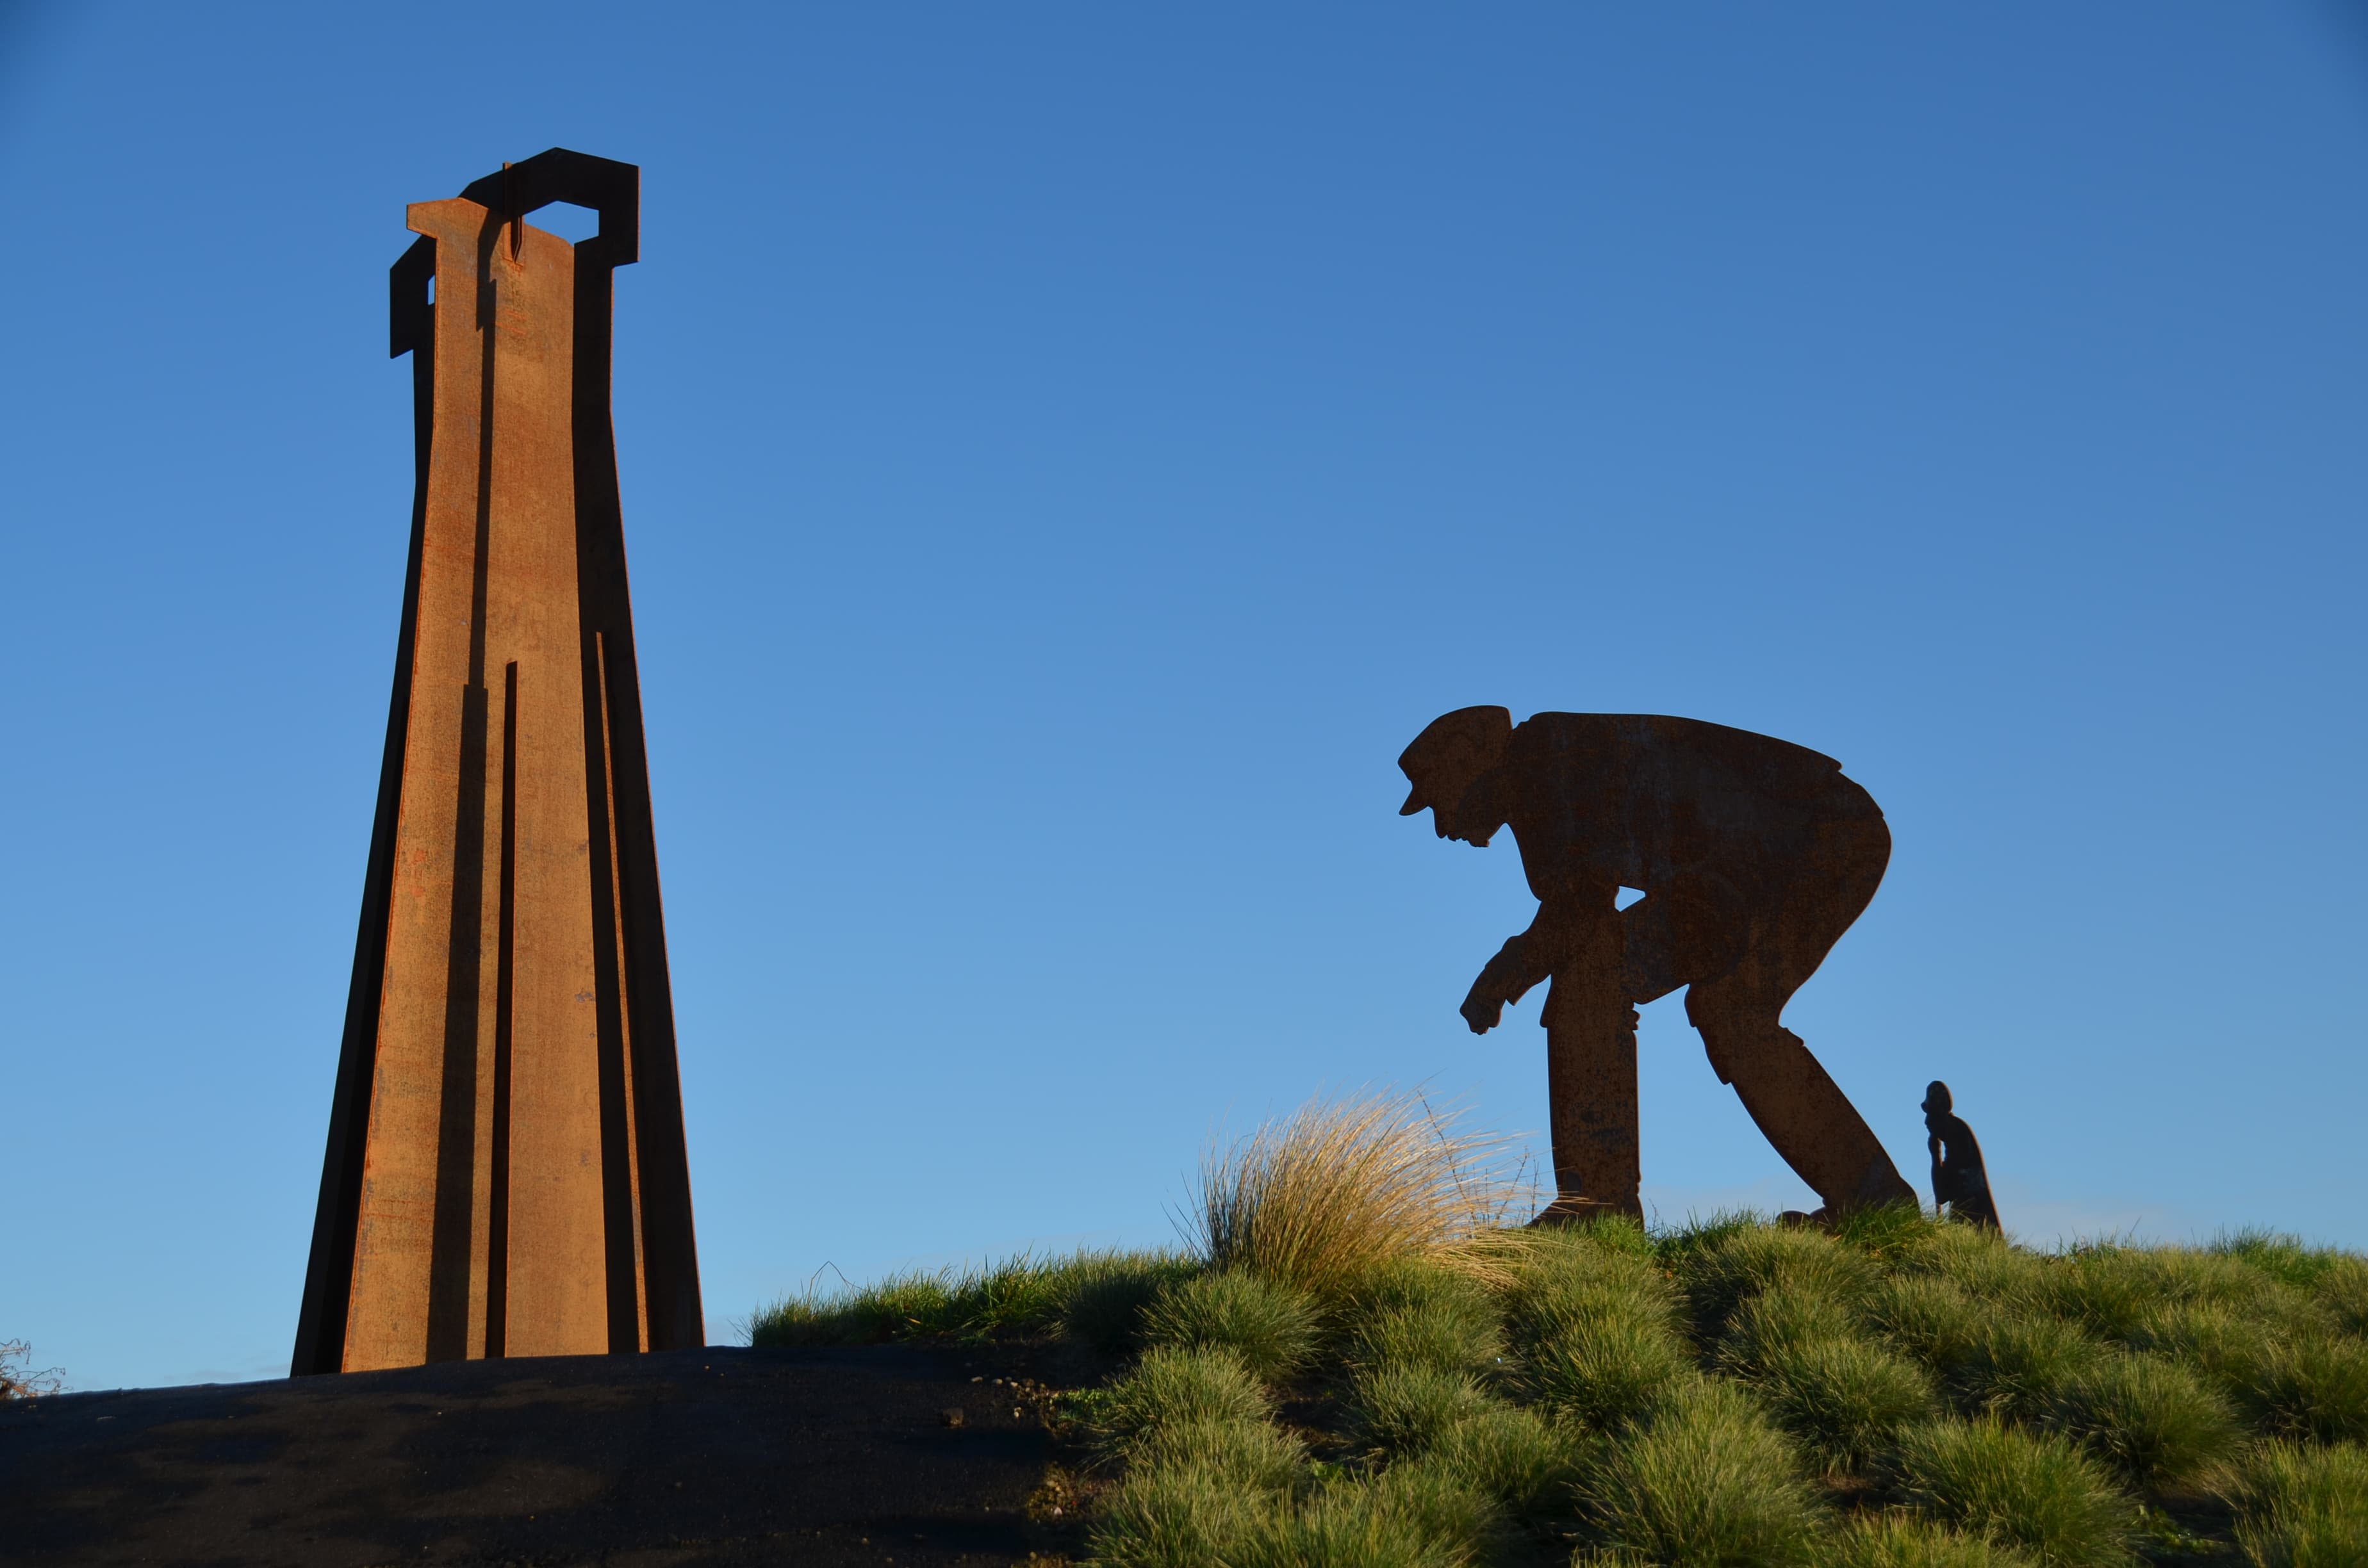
1452,750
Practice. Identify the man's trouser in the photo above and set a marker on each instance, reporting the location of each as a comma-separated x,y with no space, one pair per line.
1738,981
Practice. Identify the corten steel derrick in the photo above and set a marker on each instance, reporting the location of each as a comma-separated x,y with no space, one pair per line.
505,1172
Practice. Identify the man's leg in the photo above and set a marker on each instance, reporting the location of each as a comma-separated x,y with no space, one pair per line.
1591,1081
1795,1102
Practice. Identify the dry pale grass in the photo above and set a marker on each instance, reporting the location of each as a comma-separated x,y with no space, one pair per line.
1324,1198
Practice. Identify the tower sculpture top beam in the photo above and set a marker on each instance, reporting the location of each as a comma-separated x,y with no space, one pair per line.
505,1172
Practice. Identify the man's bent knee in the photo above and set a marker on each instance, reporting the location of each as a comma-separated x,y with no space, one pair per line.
1739,1034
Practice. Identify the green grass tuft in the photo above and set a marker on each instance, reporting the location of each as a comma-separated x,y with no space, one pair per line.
1614,1233
2342,1293
1272,1328
1928,1317
1251,1453
1439,1334
1698,1233
1718,1278
2228,1349
1708,1484
1560,1277
2314,1386
1097,1292
2019,1364
1607,1372
1982,1263
1514,1454
2299,1506
1886,1231
1843,1395
1172,1387
2289,1260
1177,1517
2035,1491
2154,1423
1406,1516
1403,1410
2111,1290
1904,1540
1108,1292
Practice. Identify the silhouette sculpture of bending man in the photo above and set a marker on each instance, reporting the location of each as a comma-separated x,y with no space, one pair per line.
1754,856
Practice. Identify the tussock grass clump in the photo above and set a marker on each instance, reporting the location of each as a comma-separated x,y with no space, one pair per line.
1778,1320
1843,1395
1254,1454
1419,1314
1323,1200
1927,1316
1411,1516
1699,1233
1894,1540
1108,1292
902,1306
2018,1365
1403,1410
2230,1349
1566,1277
1607,1371
1092,1291
1615,1234
1272,1328
1846,1399
1177,1516
1886,1231
2343,1292
1981,1263
2033,1490
2152,1422
2289,1260
1596,1327
2299,1506
2111,1290
1708,1482
1173,1387
1720,1277
1437,1332
1514,1454
2314,1386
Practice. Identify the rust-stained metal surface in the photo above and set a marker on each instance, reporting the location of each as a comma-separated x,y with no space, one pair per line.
506,1173
1959,1177
1754,856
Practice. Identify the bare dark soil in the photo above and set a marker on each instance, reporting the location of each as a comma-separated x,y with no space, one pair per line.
717,1456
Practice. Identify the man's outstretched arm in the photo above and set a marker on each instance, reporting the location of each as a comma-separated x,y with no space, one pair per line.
1525,960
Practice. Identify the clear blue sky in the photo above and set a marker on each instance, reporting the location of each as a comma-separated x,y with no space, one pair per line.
1068,450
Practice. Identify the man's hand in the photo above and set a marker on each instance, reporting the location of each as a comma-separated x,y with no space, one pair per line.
1483,1004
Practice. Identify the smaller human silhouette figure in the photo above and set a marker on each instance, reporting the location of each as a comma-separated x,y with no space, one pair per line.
1959,1178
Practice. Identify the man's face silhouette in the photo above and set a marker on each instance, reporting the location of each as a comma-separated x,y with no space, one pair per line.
1452,814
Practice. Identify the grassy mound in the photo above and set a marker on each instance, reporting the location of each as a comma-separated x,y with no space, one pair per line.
1356,1365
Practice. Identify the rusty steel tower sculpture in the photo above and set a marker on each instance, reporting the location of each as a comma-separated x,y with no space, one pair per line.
505,1172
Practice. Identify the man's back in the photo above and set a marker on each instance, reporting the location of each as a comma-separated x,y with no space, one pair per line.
1641,799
